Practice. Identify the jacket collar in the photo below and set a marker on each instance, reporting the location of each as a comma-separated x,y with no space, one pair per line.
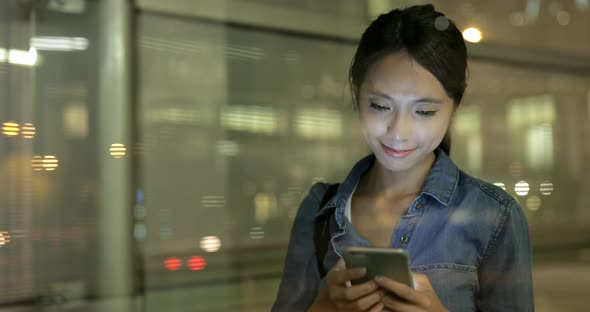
440,183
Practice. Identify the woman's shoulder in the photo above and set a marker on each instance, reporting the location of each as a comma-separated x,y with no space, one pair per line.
472,188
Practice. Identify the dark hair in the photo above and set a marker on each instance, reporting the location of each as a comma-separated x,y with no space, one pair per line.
428,37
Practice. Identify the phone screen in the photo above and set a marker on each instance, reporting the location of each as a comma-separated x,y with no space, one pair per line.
388,262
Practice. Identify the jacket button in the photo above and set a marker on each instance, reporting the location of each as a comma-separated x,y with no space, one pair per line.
404,239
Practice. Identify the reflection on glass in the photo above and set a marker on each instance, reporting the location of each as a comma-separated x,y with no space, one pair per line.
210,243
521,188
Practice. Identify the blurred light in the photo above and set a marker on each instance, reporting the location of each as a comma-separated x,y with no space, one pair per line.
500,185
265,206
28,131
10,128
37,163
50,43
546,188
255,119
515,169
521,188
530,111
210,243
318,179
76,120
213,201
533,203
583,5
196,263
532,9
517,18
139,231
173,264
315,123
227,148
256,233
118,150
539,149
563,18
472,35
242,52
19,57
4,238
50,162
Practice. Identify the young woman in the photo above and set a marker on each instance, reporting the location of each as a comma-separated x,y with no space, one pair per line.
468,240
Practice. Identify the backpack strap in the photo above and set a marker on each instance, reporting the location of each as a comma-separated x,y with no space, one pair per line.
321,234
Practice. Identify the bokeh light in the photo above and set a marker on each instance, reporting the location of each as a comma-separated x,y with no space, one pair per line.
173,264
500,185
50,162
533,203
521,188
28,131
118,150
10,128
546,188
196,263
472,35
210,243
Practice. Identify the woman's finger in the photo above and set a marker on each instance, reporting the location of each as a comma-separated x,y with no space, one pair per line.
339,276
339,292
403,291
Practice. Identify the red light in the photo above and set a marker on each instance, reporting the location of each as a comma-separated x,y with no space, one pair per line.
173,264
196,263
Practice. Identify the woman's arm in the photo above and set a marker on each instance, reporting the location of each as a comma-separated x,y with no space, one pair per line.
505,279
299,284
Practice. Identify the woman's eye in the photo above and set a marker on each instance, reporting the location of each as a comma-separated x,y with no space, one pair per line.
425,113
378,107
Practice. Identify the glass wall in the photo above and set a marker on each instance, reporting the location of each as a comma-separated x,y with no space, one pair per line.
237,108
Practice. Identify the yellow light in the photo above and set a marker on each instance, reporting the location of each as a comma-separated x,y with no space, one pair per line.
118,150
472,35
50,162
37,163
10,128
28,131
4,238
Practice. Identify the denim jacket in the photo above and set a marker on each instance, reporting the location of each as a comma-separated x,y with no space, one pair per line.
469,237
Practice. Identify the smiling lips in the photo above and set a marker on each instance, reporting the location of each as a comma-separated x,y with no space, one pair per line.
397,153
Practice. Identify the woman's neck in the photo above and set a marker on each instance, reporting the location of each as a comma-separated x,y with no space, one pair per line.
380,180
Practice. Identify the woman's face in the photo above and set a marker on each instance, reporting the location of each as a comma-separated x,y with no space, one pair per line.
404,112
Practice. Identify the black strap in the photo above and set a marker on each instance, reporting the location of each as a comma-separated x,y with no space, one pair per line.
321,234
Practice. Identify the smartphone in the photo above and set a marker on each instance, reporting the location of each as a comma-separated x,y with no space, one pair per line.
388,262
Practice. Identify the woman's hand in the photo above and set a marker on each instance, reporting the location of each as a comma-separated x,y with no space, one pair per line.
339,295
405,298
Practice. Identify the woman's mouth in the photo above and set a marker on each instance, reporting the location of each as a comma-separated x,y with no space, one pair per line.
397,153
